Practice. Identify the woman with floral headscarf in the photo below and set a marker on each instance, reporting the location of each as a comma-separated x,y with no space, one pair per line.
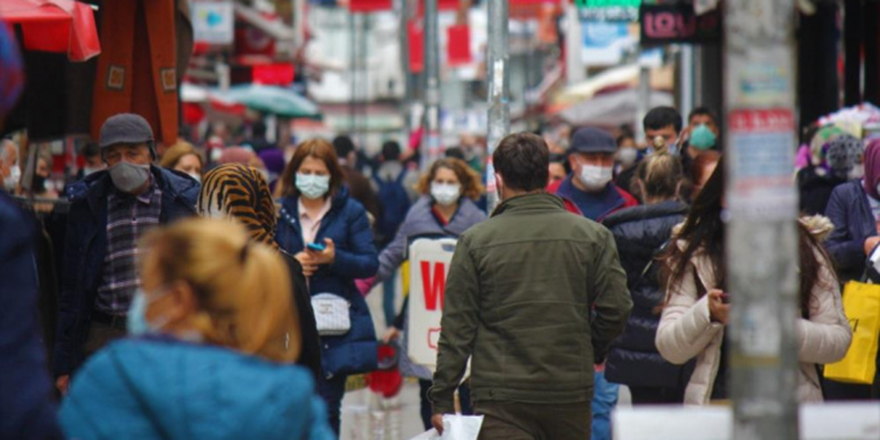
835,161
240,193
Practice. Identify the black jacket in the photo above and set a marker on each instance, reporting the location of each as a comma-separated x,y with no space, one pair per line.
640,232
86,246
310,357
815,190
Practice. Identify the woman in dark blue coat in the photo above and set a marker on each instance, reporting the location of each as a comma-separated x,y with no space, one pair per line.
640,232
329,234
854,209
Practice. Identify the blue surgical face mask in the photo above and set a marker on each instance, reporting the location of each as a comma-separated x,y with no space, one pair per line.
312,186
137,323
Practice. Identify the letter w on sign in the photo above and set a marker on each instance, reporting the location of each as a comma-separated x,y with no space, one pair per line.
429,265
433,285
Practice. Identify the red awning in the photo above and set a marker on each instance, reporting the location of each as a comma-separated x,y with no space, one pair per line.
64,26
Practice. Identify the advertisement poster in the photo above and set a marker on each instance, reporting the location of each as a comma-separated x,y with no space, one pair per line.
429,264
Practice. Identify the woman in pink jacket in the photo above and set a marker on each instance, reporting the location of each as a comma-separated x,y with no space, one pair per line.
696,311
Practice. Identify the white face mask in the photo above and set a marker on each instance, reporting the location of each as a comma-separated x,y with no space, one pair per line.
857,172
445,194
195,176
627,156
312,186
595,177
12,179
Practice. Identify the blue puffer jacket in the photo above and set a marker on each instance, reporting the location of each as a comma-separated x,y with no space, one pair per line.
27,409
853,221
163,388
420,221
640,232
86,246
347,225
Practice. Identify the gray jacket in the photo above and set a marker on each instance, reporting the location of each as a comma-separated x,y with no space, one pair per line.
420,221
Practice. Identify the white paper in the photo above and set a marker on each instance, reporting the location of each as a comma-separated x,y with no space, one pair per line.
459,427
455,427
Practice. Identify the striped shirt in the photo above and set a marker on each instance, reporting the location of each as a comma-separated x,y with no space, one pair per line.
128,217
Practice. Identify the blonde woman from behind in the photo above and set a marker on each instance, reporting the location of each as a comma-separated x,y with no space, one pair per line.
213,339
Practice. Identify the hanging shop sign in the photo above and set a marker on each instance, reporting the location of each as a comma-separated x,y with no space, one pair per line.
213,23
608,10
678,23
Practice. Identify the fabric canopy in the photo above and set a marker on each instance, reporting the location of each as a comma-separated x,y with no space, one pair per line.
270,99
64,26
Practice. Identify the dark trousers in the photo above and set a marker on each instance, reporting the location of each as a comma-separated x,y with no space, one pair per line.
530,421
656,395
332,391
101,334
464,398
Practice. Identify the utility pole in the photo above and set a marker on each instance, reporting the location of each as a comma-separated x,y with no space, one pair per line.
499,93
761,238
431,133
643,104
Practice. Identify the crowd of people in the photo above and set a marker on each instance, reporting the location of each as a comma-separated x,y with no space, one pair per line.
229,283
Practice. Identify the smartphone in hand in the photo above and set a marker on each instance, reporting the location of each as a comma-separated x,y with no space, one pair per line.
317,247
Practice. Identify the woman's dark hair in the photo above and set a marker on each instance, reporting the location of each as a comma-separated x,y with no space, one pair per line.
704,230
523,161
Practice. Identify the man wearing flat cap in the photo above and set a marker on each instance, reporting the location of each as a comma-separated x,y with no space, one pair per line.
110,210
590,186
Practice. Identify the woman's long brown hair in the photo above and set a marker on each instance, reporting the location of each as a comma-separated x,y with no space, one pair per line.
704,231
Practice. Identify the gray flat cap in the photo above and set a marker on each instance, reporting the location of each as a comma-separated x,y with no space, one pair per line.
125,128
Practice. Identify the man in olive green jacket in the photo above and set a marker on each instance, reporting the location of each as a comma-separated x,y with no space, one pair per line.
536,295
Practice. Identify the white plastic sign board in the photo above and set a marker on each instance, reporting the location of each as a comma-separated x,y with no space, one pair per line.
828,421
429,265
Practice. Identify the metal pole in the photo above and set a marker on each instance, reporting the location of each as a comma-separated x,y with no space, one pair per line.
761,238
574,66
643,104
686,69
352,63
406,103
431,133
499,94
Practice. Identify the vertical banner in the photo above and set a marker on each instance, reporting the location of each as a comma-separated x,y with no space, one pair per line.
458,46
429,264
416,47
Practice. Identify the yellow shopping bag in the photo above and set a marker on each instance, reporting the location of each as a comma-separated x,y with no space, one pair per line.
861,303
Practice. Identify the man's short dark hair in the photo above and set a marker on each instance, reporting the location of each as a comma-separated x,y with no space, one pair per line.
660,117
259,129
702,111
523,161
455,153
343,146
91,149
390,151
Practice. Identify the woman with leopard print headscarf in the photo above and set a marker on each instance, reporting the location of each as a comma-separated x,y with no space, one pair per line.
240,193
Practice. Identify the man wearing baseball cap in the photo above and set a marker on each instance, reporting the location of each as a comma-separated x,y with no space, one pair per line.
590,186
110,210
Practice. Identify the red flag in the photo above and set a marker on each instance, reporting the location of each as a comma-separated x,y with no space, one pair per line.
458,44
369,5
416,47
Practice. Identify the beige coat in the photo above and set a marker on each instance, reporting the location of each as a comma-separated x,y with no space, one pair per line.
686,331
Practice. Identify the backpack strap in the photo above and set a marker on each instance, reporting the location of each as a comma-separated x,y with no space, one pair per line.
401,177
